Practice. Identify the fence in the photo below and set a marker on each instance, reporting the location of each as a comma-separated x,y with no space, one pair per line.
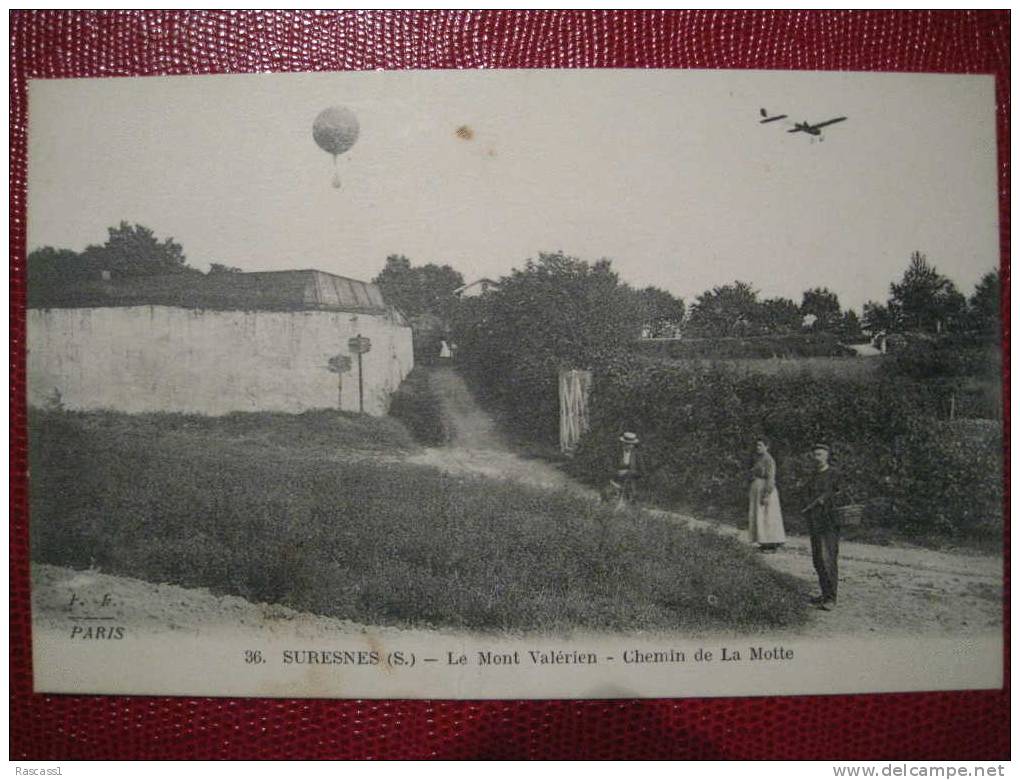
575,387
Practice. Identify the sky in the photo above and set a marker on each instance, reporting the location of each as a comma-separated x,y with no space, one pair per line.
667,173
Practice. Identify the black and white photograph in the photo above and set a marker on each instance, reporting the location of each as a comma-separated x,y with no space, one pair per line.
515,384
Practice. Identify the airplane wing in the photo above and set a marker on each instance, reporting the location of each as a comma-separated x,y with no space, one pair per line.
773,119
820,125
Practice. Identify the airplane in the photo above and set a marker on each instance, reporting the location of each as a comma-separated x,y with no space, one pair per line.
815,129
768,118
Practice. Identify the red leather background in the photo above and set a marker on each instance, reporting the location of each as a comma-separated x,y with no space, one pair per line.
132,43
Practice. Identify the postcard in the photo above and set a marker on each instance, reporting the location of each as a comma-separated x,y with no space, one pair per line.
515,384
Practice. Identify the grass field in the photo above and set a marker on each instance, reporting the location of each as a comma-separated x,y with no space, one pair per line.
260,506
321,433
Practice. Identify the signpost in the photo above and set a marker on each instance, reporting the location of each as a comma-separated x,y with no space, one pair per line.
359,345
339,365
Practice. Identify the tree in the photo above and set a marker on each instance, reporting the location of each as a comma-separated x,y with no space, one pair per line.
399,284
780,315
986,303
663,314
48,266
219,268
823,305
950,310
925,299
426,297
438,283
850,325
565,308
134,250
427,289
730,310
130,251
878,317
557,312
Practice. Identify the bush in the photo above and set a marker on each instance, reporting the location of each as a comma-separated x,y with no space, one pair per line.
945,358
946,479
418,407
965,369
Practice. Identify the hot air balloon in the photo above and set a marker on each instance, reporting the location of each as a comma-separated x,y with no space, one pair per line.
335,130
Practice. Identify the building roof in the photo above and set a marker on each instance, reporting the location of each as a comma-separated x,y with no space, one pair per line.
264,290
484,283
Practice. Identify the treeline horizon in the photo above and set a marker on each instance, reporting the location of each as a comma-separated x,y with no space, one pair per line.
922,300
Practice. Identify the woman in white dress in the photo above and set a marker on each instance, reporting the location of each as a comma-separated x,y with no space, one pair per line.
764,514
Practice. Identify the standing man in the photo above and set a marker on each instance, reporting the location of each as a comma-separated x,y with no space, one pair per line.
824,526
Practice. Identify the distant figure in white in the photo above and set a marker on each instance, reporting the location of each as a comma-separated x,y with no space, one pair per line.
764,515
445,353
880,340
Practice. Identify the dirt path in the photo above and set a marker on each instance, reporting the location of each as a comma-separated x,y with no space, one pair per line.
476,447
894,589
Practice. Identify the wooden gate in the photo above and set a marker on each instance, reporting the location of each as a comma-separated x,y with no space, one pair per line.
575,387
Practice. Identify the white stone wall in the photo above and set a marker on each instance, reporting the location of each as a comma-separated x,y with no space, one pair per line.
167,359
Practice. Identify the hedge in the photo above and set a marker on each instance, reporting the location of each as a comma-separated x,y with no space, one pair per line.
792,346
417,406
916,472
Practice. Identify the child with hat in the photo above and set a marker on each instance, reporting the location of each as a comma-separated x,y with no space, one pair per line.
628,467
